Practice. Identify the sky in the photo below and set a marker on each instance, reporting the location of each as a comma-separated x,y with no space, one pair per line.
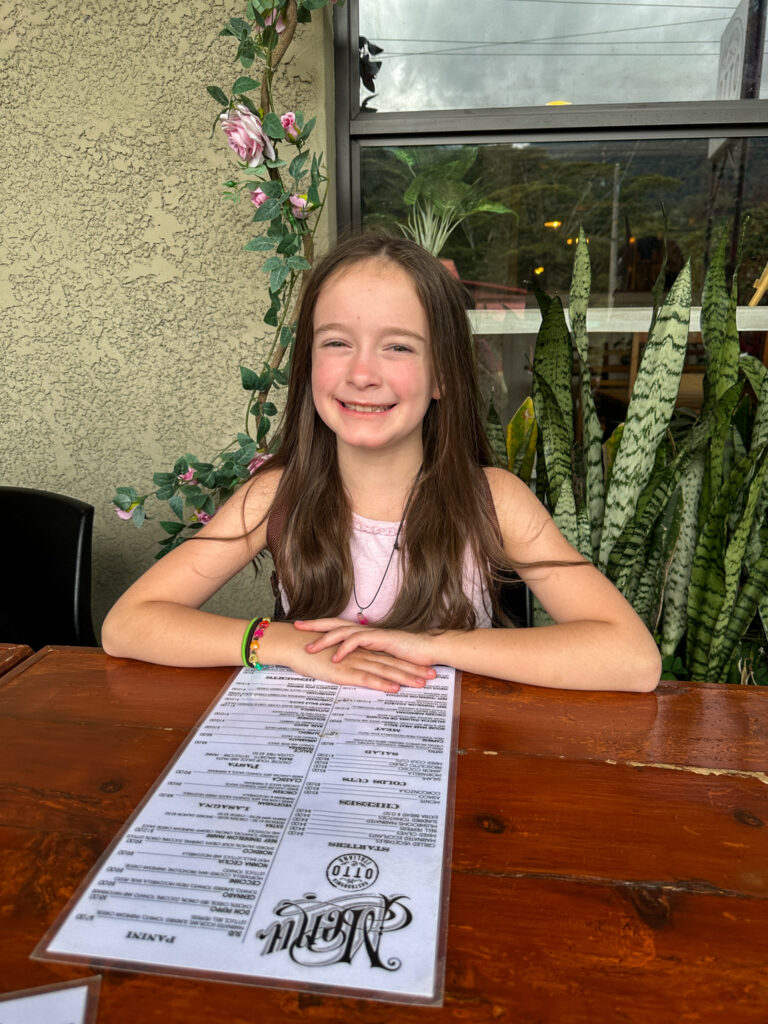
437,55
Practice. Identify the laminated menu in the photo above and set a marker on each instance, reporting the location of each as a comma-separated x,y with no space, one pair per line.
301,838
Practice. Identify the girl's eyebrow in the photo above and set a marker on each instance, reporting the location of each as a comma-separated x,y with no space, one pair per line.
389,331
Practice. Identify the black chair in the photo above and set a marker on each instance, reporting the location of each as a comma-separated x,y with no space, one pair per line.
46,580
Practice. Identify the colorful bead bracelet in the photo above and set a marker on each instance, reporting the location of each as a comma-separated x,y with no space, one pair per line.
251,639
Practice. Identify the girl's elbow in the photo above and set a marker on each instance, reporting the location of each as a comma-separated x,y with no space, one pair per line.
647,670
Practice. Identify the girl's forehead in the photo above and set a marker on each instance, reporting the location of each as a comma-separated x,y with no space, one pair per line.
374,268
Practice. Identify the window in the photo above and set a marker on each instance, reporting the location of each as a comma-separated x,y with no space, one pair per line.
564,113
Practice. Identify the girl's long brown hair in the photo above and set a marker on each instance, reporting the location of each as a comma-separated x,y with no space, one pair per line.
448,514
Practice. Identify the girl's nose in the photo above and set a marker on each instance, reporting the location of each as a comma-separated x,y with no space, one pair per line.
363,371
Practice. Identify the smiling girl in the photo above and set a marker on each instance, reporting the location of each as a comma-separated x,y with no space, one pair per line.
389,527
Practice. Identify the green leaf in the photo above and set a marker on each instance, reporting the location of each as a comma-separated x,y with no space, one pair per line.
180,467
248,103
263,430
270,317
248,378
298,263
278,277
522,431
650,409
591,429
286,340
139,515
238,27
244,84
218,94
298,165
675,615
268,210
269,409
260,244
289,244
272,126
273,189
280,376
161,479
171,527
177,506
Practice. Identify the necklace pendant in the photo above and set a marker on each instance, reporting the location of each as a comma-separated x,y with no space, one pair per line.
362,619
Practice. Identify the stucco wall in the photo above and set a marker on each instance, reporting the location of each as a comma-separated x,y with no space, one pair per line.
126,300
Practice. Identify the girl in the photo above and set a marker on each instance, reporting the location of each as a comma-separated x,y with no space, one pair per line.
389,527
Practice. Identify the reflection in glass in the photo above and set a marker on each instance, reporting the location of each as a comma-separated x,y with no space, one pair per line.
615,191
522,53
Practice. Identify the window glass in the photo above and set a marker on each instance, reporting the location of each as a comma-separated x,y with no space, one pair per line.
520,53
516,209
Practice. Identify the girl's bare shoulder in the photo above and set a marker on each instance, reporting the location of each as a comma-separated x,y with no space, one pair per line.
520,513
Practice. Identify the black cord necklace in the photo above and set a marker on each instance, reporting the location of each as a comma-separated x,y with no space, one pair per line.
395,547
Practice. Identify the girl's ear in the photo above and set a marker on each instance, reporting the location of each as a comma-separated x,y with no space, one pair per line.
437,393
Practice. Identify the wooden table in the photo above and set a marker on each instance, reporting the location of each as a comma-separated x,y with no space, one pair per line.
610,856
12,654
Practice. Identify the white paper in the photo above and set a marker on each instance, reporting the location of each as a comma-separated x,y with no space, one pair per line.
59,1004
297,839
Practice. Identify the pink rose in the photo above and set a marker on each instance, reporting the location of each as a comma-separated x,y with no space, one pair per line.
203,517
288,121
258,460
275,18
299,207
186,477
125,513
246,136
258,197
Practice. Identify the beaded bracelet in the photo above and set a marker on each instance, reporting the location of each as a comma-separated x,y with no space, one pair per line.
251,639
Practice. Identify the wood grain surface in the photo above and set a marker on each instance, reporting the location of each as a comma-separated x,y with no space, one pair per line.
610,851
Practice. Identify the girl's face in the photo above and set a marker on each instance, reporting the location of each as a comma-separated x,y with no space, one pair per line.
372,377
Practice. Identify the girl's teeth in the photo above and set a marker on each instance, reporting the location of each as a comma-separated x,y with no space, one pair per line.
365,408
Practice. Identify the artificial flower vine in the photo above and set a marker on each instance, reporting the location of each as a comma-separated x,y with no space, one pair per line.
286,186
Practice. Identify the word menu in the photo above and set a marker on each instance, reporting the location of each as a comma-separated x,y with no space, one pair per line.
299,839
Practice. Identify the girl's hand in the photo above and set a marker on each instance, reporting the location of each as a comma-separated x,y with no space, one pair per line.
350,637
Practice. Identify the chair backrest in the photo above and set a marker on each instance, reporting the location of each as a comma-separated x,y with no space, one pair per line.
46,568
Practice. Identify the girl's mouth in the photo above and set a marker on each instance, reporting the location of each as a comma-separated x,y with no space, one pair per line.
354,407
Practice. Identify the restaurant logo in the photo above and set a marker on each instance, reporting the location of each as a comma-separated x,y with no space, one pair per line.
352,871
318,933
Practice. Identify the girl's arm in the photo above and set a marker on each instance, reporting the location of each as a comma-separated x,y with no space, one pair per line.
598,642
159,619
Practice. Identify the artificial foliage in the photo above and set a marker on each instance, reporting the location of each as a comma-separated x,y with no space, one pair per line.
285,183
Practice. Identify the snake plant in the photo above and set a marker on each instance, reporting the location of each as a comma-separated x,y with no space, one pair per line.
675,518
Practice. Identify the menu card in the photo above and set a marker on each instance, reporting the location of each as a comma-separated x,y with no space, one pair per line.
69,1002
301,838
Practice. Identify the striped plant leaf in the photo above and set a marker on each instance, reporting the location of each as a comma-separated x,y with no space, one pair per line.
495,434
610,448
757,375
591,429
566,517
650,409
522,431
647,599
552,399
675,616
715,301
553,431
724,406
734,560
632,546
752,592
707,587
726,367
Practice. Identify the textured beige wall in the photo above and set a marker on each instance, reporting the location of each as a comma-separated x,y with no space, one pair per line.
126,301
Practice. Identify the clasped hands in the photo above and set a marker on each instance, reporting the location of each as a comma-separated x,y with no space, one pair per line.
379,659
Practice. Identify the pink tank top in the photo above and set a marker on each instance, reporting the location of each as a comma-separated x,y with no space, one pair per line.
370,546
